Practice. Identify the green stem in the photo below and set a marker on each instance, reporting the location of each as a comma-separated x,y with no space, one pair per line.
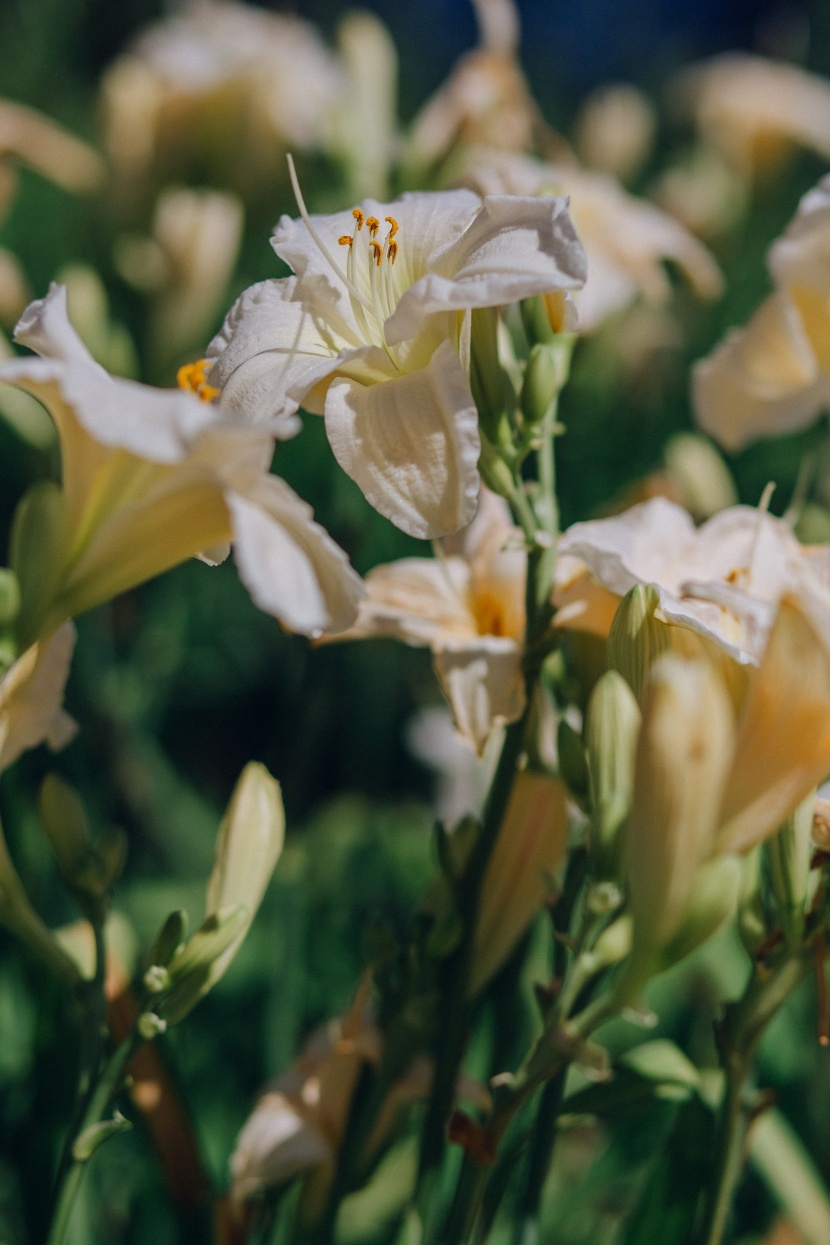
105,1090
542,1143
738,1037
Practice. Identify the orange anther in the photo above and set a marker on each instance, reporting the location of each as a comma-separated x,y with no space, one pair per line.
393,226
346,239
192,377
377,251
373,225
359,217
391,251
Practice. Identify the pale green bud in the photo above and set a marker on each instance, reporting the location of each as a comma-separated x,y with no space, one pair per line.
612,728
536,321
752,924
9,596
64,819
39,551
637,637
169,938
487,379
150,1026
700,475
157,979
543,380
788,854
193,968
712,903
495,472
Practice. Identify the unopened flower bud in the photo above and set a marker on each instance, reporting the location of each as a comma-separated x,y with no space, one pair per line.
487,379
612,727
494,470
637,637
700,475
545,374
712,902
150,1025
156,979
788,854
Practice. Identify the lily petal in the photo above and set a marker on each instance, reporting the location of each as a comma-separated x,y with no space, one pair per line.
31,698
411,444
514,248
483,683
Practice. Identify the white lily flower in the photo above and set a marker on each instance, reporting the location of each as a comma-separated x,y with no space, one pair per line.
773,375
627,240
31,698
152,477
753,110
723,580
223,75
374,335
467,605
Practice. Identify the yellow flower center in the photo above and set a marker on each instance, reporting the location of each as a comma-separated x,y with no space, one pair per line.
388,249
192,377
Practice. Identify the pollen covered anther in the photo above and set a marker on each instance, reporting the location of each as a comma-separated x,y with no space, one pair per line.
373,225
359,217
192,377
393,227
377,251
391,251
345,239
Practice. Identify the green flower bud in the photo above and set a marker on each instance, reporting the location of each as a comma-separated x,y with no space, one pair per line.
495,472
39,551
788,854
712,903
612,728
542,382
637,637
752,924
9,596
169,938
64,819
488,382
536,321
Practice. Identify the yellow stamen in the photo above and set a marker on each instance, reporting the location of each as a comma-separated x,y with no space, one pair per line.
192,377
391,251
359,217
373,225
346,239
393,227
377,251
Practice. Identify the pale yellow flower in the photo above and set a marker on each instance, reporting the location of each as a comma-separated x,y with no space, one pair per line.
627,240
185,266
773,375
222,79
754,110
31,697
150,478
615,130
722,580
467,605
711,782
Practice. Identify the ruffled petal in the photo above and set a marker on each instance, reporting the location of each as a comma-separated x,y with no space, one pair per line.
418,600
514,248
273,347
289,564
411,444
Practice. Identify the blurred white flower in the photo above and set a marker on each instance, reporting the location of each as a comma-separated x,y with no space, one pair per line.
615,130
627,240
228,78
753,110
375,336
773,375
150,478
185,266
723,580
485,100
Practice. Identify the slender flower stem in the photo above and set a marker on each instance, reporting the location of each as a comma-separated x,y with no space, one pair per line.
104,1092
738,1037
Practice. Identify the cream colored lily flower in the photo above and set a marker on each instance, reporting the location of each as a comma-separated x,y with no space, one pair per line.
753,110
297,1125
374,334
228,78
185,266
615,130
485,100
773,376
722,580
467,605
708,783
31,697
150,478
627,240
